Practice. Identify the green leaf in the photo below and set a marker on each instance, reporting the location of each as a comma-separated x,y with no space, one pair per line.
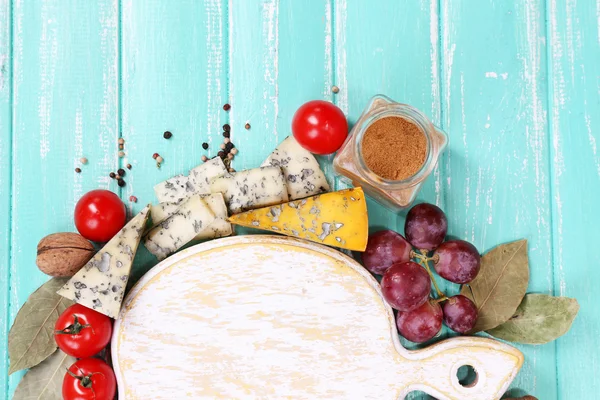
500,285
44,381
539,319
31,338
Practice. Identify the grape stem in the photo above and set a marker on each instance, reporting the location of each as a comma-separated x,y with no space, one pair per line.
423,260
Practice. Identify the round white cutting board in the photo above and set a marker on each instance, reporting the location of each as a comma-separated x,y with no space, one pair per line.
265,317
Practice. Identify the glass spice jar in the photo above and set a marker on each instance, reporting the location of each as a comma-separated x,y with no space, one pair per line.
349,161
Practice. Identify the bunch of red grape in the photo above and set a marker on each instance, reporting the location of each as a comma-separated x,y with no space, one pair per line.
406,284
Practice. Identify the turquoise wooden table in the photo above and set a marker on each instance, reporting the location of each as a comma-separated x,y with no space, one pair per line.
515,83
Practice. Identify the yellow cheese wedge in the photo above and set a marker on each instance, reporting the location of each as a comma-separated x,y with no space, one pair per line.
336,219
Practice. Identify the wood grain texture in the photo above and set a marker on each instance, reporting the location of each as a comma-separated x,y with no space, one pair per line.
174,79
5,182
514,83
496,173
253,86
317,328
373,42
574,116
65,107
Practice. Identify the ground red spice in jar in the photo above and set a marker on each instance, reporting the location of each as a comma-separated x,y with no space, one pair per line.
394,148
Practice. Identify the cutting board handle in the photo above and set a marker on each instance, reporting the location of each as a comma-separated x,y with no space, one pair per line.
495,364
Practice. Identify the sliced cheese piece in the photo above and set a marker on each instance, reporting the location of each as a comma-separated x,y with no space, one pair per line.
100,284
303,175
218,228
201,176
335,219
189,219
174,189
253,188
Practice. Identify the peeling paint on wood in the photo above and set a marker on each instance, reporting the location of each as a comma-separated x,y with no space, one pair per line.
514,83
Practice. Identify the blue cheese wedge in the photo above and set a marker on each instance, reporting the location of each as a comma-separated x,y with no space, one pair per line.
197,182
218,228
189,219
303,175
100,284
201,176
250,189
174,189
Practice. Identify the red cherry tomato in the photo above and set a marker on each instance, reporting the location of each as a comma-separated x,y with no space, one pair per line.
89,379
320,127
82,332
99,215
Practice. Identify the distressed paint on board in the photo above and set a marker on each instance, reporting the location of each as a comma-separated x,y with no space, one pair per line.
5,182
486,86
254,58
319,328
174,79
574,59
65,107
496,172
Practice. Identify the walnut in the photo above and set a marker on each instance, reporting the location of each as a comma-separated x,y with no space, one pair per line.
63,254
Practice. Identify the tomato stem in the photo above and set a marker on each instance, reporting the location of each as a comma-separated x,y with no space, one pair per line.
74,329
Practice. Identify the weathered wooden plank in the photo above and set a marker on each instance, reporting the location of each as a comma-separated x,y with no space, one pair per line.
373,42
5,182
174,62
496,174
254,81
65,107
307,74
574,51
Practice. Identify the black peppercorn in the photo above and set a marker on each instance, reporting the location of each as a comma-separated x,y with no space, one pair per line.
120,182
221,154
226,134
226,128
226,107
229,146
128,166
78,170
167,135
112,175
247,126
121,171
205,145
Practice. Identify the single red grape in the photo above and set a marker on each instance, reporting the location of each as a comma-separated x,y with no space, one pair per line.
406,286
460,314
425,226
384,249
422,323
457,261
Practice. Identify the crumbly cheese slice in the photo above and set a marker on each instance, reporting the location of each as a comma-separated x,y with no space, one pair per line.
197,182
201,176
174,189
100,284
191,217
253,188
335,219
218,228
303,175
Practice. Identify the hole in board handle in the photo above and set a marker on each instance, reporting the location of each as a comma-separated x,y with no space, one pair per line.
467,376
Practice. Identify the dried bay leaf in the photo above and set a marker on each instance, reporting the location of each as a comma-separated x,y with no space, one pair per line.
500,285
31,338
44,381
539,319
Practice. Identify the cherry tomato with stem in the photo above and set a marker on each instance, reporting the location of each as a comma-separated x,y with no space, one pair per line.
99,215
320,127
89,379
82,332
